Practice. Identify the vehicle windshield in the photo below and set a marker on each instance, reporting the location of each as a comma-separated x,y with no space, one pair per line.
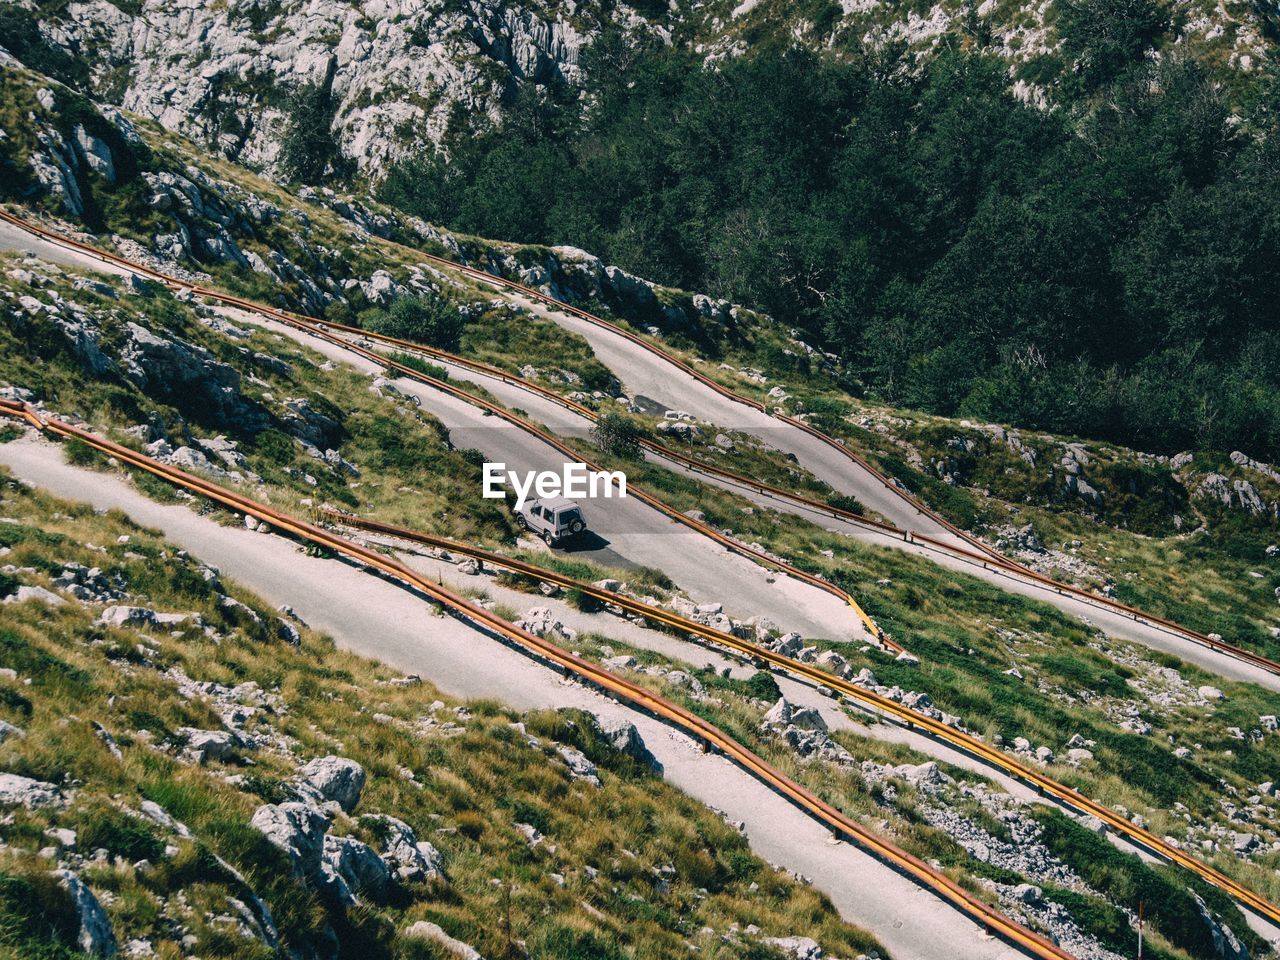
565,518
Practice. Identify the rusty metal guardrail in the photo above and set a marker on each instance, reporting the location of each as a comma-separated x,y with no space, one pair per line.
640,697
316,328
983,555
957,738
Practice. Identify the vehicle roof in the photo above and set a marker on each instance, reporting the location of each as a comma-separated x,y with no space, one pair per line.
555,503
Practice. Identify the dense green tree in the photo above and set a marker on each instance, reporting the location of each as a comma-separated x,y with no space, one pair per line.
1106,37
1103,268
309,151
617,435
20,35
423,319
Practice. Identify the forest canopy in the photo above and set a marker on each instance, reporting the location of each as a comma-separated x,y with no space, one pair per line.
1109,266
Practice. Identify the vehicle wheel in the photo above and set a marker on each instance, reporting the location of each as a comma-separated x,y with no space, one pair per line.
548,537
521,522
577,526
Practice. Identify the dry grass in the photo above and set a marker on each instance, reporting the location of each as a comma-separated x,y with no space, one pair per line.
475,776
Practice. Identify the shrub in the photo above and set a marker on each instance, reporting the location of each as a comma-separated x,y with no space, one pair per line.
1107,36
618,436
269,789
522,811
309,151
471,455
417,363
761,686
13,700
850,504
651,576
118,833
22,37
470,824
27,658
584,601
430,320
274,445
80,454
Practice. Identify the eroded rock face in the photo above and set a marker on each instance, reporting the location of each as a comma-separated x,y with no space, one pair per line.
311,426
296,828
191,377
624,736
16,790
580,768
541,622
1226,944
1234,494
350,868
400,68
205,745
334,778
95,936
785,714
411,859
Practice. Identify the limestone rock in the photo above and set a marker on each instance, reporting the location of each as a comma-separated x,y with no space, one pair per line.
95,936
425,930
410,858
22,791
623,736
334,778
580,768
783,713
359,867
188,375
296,828
1226,944
205,745
799,948
39,594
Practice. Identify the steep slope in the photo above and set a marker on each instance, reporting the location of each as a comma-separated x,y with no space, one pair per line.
190,772
1239,700
317,257
400,74
1010,669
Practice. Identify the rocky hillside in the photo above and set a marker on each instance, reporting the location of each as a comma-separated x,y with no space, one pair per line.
202,388
188,772
196,218
154,197
398,74
399,71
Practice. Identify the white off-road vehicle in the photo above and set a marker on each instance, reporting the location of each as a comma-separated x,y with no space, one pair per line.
552,518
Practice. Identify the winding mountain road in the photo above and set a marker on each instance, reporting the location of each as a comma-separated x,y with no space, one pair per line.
1108,619
642,371
634,534
562,422
658,378
379,619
